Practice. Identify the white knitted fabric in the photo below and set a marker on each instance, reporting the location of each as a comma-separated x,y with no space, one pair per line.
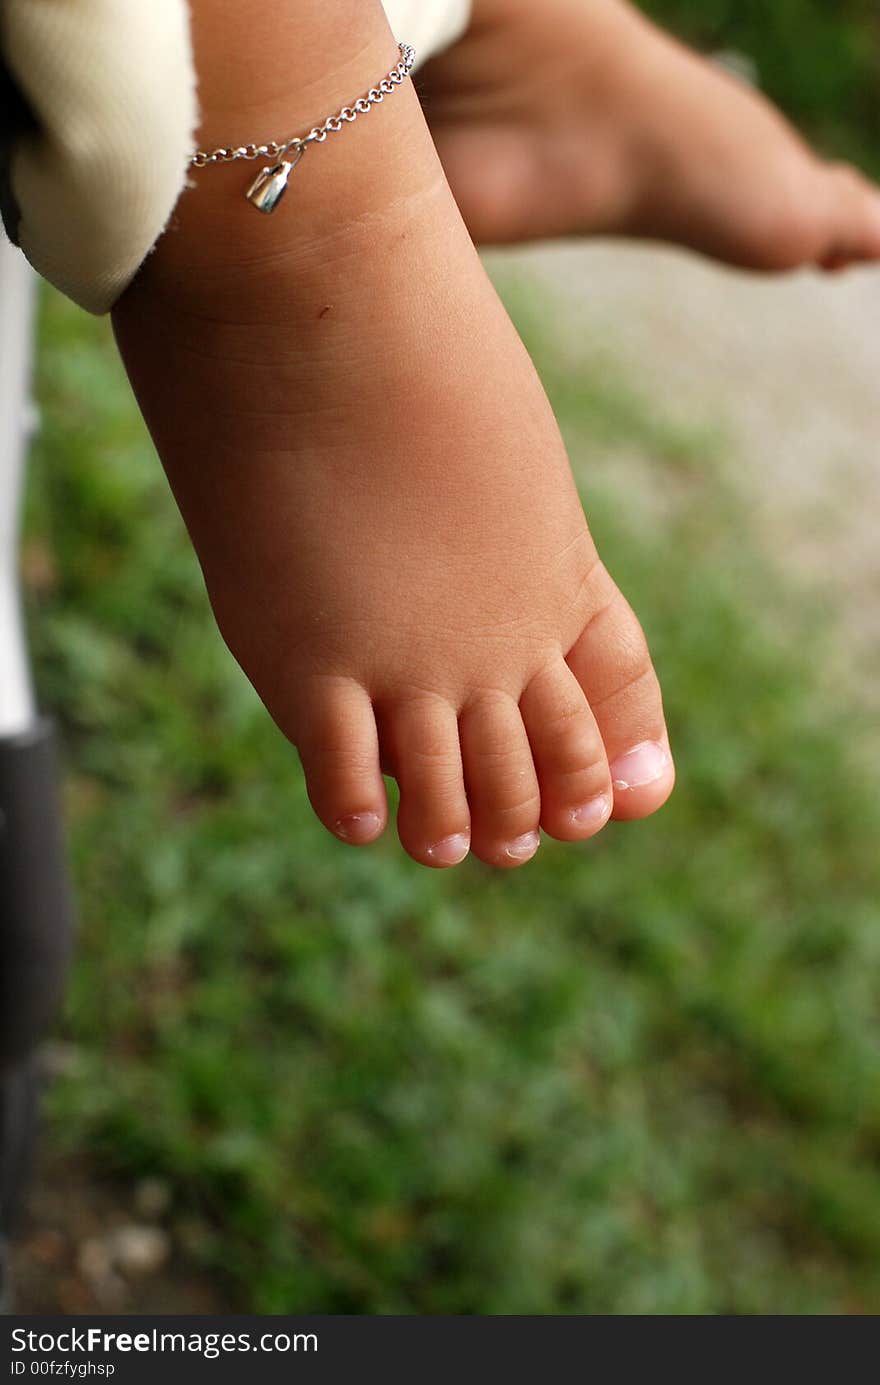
429,25
107,79
103,77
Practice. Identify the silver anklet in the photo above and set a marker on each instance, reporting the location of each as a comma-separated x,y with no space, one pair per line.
270,184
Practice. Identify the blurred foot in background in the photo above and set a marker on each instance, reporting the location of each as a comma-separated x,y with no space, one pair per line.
580,116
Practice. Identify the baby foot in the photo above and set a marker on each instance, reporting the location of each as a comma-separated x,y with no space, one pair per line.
572,117
384,511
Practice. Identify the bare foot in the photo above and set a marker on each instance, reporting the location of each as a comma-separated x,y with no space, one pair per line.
579,116
384,511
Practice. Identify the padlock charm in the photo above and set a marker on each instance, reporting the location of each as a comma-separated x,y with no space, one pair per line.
270,185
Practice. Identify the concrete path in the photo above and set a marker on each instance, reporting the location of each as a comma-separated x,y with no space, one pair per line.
788,368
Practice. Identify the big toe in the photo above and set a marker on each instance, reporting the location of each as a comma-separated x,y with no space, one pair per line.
611,662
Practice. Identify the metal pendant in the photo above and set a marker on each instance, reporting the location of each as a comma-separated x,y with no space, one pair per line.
270,184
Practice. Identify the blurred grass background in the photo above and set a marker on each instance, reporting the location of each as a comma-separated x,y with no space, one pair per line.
635,1078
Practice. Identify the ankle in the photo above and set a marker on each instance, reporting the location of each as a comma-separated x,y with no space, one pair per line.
375,173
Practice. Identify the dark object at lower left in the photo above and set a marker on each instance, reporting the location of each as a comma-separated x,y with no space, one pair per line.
36,936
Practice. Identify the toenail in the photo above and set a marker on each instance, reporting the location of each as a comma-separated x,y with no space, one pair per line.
594,814
642,765
450,851
358,827
523,848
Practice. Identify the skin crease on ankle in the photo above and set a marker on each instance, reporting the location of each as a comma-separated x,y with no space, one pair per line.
373,479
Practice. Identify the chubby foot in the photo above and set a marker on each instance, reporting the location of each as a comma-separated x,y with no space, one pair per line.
385,514
579,116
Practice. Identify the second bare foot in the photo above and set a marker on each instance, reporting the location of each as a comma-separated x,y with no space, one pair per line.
580,116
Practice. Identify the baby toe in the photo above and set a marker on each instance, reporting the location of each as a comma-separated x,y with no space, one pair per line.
338,744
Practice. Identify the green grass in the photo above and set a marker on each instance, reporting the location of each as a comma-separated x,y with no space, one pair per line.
639,1077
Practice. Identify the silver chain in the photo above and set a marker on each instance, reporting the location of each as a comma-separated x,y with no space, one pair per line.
275,149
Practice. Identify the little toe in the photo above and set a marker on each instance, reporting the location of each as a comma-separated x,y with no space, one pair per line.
420,743
501,782
612,664
338,744
576,796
